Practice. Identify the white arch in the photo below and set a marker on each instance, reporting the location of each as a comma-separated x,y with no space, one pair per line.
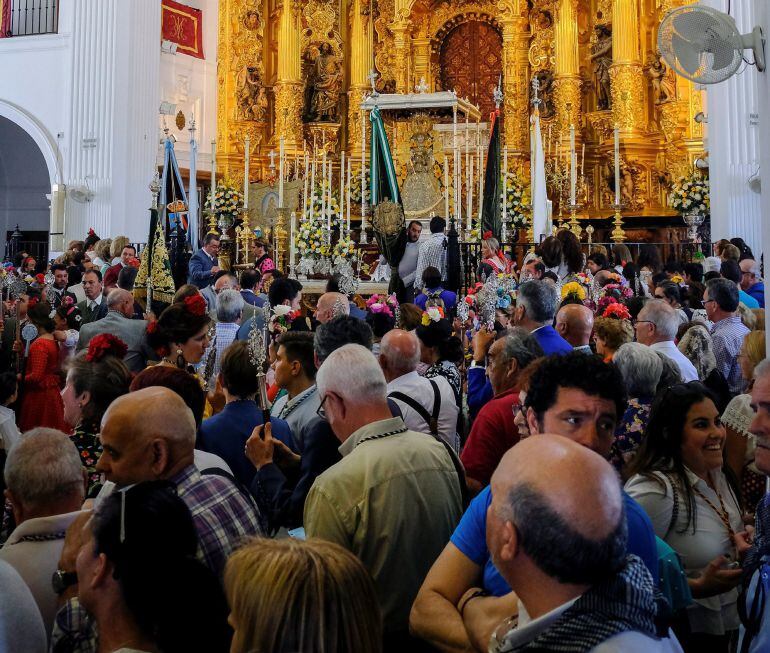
37,131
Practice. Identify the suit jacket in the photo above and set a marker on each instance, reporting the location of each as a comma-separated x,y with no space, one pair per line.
250,297
111,276
6,343
92,316
132,332
57,298
551,341
199,269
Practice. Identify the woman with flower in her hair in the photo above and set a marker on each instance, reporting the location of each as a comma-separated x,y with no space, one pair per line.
381,316
41,403
493,255
95,378
612,330
180,334
67,319
439,349
433,294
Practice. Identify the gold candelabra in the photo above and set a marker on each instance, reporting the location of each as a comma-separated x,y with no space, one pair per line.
244,237
573,225
617,235
590,235
281,236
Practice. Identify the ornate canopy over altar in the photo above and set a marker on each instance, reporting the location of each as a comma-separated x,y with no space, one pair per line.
407,104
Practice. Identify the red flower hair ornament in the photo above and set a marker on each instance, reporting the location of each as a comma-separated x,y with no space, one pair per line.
617,311
105,344
195,305
40,278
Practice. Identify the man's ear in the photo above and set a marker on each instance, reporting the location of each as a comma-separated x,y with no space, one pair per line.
160,457
513,369
532,423
509,542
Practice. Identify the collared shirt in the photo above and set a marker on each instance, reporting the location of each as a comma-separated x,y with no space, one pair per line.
728,335
757,291
418,388
33,549
715,614
432,254
223,516
584,349
224,336
407,266
393,501
669,350
93,303
297,411
9,432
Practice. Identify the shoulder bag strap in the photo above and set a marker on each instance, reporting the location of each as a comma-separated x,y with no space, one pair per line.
413,403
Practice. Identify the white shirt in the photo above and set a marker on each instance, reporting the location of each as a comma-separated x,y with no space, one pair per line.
669,350
91,303
37,560
419,388
715,614
297,411
21,628
9,432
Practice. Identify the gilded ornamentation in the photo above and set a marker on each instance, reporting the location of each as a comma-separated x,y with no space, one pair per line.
601,56
602,124
662,78
541,52
324,85
252,100
672,117
288,111
567,101
628,85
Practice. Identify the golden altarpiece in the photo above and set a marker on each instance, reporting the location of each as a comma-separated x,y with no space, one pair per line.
299,69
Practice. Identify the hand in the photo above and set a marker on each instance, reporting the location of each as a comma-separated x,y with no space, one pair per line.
284,456
482,616
259,449
482,341
214,270
744,541
715,579
59,336
217,398
150,316
77,535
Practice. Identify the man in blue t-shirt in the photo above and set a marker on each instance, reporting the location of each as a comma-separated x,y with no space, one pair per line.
576,396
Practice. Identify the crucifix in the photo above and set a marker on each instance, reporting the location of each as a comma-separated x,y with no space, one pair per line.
498,93
272,159
535,88
372,77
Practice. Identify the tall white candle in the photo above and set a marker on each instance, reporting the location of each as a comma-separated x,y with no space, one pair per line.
617,165
281,167
324,206
363,171
446,186
213,173
292,243
246,153
505,183
312,183
304,191
468,172
329,202
572,165
583,162
470,196
342,189
347,191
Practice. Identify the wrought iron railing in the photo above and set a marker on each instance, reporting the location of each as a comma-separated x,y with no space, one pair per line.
30,17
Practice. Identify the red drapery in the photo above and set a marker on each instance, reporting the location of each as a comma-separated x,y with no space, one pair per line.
5,18
182,25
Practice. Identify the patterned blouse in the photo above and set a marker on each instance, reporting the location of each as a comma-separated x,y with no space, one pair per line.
630,431
450,372
86,439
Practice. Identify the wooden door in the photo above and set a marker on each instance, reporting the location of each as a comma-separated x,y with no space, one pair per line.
471,62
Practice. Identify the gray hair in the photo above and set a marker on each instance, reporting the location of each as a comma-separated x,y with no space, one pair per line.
697,346
663,316
724,292
641,368
229,306
762,370
520,345
539,299
353,373
116,296
43,467
399,360
339,331
755,268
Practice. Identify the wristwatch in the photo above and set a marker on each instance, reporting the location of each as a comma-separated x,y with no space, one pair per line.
477,364
61,580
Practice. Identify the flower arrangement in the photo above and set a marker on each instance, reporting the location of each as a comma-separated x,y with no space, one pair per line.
103,344
343,249
432,314
195,305
332,209
616,311
691,194
605,302
355,187
617,290
573,289
517,200
677,279
386,304
310,240
227,200
281,319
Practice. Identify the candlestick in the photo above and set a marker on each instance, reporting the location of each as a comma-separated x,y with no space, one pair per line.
446,186
312,184
362,238
350,170
617,165
246,153
281,164
572,165
213,173
329,203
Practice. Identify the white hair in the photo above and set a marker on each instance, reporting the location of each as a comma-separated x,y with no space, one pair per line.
229,306
353,373
117,296
663,316
762,370
43,467
401,359
641,368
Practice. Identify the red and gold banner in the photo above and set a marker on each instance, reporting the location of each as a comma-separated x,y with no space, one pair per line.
182,25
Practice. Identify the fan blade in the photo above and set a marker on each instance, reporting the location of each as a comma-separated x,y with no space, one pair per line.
724,55
688,57
693,24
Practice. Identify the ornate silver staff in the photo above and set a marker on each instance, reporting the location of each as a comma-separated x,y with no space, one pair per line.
258,344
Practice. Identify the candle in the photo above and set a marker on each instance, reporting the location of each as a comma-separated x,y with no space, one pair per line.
467,167
470,196
213,172
312,184
550,142
617,167
281,163
246,152
323,183
304,190
572,165
329,203
350,172
292,244
505,183
342,189
446,186
363,170
583,162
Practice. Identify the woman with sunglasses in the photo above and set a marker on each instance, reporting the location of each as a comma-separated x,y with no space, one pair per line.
680,479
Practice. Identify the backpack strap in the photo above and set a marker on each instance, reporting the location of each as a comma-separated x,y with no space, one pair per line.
420,409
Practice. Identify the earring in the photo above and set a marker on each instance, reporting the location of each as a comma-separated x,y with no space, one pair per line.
180,361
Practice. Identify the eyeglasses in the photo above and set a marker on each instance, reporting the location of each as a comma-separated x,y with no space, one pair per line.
321,411
636,322
708,301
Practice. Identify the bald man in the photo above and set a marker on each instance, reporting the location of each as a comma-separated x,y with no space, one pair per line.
150,435
331,304
118,322
575,323
557,533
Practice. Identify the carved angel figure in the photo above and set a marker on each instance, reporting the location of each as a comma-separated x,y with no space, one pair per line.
663,79
601,55
326,82
252,101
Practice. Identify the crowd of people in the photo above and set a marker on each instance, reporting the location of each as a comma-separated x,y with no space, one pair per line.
568,456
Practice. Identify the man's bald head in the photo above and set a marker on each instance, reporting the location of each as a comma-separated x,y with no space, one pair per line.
566,504
399,353
122,301
603,277
146,435
575,323
331,304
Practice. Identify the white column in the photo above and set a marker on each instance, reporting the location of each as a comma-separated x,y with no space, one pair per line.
733,143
